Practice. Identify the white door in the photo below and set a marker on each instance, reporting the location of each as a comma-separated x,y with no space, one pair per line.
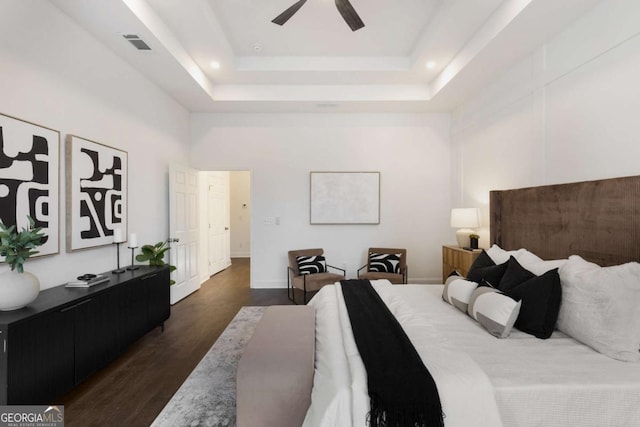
218,221
183,230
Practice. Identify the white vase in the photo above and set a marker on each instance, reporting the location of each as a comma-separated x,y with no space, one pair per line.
17,289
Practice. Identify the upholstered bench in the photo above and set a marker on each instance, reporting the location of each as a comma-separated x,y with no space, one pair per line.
275,372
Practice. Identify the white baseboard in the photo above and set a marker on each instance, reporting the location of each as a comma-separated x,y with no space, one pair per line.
268,284
240,254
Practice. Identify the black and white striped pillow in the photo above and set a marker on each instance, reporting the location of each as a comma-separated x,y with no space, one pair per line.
384,263
311,264
458,291
494,310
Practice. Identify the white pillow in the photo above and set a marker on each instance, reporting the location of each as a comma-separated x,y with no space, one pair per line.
601,307
457,292
453,276
527,259
500,256
494,310
537,265
574,266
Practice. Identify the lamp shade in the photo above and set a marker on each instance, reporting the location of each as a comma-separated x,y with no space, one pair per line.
464,218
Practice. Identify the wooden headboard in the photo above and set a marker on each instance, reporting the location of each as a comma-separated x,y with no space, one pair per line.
598,220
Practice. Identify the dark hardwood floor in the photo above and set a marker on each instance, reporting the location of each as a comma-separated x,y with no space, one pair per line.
133,389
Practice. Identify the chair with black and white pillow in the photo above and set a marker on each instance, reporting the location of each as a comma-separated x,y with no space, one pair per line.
308,271
385,263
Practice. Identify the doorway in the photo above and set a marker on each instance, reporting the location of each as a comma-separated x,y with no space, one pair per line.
225,219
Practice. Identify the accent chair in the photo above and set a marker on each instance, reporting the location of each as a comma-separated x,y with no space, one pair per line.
308,272
385,263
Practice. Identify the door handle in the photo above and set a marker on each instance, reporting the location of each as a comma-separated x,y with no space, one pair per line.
226,229
64,310
173,240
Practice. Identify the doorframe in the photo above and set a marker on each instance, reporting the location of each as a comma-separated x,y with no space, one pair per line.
204,266
203,269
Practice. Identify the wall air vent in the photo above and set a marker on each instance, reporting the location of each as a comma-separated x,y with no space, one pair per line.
135,40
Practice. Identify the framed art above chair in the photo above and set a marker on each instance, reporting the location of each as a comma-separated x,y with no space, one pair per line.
345,198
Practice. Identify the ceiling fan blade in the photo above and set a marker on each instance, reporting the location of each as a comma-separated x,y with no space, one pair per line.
284,16
349,15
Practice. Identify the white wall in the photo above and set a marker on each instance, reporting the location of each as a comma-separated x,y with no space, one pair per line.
568,112
410,151
240,195
54,74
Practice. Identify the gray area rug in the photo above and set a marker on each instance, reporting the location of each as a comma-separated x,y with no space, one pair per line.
208,396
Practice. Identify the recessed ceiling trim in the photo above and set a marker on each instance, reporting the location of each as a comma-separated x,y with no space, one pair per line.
315,63
504,15
324,93
163,34
367,71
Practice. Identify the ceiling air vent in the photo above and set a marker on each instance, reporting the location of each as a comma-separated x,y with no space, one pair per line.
135,40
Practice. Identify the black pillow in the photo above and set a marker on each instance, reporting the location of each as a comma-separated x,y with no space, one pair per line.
483,268
514,275
483,260
485,284
311,264
540,296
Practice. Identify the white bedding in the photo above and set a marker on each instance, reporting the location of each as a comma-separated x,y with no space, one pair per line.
339,396
555,382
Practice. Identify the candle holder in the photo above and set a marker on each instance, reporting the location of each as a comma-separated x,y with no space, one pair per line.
118,270
133,267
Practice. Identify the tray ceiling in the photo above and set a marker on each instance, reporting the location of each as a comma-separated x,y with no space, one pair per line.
227,55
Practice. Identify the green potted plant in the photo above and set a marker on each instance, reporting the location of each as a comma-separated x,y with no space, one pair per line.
18,287
473,239
155,255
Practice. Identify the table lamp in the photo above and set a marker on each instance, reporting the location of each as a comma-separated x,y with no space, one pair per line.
464,219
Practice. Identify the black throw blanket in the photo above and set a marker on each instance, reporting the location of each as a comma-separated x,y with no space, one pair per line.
402,392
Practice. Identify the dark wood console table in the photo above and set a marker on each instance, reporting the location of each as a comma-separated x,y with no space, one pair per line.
67,334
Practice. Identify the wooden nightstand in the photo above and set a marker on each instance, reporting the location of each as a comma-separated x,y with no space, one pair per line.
456,258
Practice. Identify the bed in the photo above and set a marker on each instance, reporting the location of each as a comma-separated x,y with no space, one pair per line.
520,380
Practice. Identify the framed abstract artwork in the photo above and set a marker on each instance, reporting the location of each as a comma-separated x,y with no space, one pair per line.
345,198
96,193
29,178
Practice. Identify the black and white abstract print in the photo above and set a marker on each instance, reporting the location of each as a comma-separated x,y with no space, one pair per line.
97,186
29,185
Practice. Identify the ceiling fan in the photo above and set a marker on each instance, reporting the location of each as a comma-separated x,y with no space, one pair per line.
344,7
